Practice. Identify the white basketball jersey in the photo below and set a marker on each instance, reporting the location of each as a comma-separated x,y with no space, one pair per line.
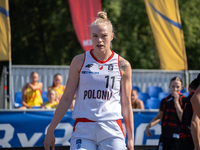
98,93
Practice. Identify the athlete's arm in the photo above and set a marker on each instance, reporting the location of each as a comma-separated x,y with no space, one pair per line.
127,112
195,100
35,87
66,100
195,130
153,122
179,110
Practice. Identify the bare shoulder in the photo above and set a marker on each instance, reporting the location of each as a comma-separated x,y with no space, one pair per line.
140,101
40,83
77,61
79,58
124,65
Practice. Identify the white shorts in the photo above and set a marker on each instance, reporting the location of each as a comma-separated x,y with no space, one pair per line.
106,135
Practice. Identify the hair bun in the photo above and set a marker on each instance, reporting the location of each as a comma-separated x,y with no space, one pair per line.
102,14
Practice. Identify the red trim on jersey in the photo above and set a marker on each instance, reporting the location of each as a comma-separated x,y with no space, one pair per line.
119,66
81,120
119,122
181,101
192,106
100,61
83,62
191,92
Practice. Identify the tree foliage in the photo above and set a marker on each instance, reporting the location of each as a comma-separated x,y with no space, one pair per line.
190,14
42,32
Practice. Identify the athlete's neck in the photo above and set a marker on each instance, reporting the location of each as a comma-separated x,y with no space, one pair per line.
103,56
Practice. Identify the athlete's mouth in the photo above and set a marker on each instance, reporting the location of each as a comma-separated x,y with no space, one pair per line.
100,45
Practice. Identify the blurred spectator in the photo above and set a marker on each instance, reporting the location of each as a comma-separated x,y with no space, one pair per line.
135,102
52,100
170,114
57,86
31,92
190,127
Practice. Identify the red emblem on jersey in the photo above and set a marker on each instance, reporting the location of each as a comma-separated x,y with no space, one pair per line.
100,67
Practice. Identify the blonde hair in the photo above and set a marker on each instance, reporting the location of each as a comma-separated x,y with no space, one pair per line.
34,72
49,91
102,18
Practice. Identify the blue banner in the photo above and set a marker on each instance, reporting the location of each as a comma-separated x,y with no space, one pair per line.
28,128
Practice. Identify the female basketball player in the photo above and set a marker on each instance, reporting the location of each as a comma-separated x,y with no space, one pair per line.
195,126
195,100
189,135
170,112
102,82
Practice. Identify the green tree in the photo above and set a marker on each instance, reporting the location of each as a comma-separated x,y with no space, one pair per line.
190,15
134,39
42,32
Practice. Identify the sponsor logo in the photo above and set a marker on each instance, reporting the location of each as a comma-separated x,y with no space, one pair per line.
78,143
89,65
12,136
89,72
110,67
100,67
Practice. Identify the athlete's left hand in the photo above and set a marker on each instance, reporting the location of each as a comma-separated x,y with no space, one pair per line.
130,144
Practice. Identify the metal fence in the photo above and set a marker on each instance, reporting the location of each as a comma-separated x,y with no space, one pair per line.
20,75
1,91
145,78
4,95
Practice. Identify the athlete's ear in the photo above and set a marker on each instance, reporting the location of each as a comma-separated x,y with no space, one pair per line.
112,35
181,87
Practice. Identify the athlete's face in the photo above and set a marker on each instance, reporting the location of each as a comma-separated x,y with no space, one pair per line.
101,36
175,86
34,78
57,80
134,96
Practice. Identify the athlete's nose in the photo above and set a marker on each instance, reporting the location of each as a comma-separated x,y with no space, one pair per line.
99,39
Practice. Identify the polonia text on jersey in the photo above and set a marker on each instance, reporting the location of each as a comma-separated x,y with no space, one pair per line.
97,94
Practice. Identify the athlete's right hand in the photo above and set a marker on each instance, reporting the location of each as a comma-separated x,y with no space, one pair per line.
148,132
49,141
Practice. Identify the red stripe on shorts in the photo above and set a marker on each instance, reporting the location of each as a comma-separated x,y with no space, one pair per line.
119,122
81,120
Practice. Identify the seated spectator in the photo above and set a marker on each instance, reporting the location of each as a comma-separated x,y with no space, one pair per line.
52,100
31,92
57,80
136,103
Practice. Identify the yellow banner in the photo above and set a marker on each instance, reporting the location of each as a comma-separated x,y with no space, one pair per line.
5,36
165,23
